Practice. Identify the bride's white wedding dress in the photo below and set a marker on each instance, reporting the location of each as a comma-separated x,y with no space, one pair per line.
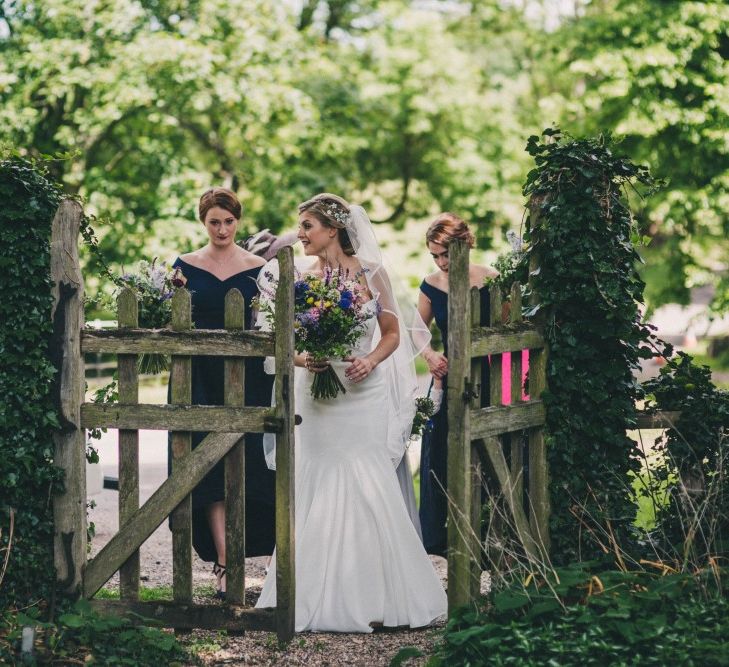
359,560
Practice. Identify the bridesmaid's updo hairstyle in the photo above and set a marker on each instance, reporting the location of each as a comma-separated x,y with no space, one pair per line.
222,198
448,227
331,211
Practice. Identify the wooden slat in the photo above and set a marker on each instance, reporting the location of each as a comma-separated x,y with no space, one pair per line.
181,394
494,421
492,456
127,316
285,465
538,467
497,527
214,418
476,481
69,506
495,361
505,338
235,462
460,539
657,419
186,474
182,616
516,438
206,342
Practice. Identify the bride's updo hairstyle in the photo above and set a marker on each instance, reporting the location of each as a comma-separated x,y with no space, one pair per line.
448,227
331,211
222,198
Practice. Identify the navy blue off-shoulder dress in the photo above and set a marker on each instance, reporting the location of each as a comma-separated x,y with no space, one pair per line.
434,452
208,312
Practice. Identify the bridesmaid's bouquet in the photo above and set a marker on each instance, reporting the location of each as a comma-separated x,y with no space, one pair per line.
154,284
329,320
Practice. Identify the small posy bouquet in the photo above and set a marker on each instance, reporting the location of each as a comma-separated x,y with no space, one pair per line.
154,284
424,410
329,320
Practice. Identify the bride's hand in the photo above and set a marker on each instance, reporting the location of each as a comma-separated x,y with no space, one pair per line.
315,365
359,368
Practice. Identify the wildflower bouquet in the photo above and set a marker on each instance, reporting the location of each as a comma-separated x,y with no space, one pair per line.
329,319
154,285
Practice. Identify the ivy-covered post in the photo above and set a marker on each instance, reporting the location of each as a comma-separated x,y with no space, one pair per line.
583,267
69,507
539,506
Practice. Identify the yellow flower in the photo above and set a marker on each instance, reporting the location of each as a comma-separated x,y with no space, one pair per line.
310,300
318,304
327,304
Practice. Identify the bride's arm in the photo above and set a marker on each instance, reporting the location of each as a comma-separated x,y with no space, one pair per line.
361,367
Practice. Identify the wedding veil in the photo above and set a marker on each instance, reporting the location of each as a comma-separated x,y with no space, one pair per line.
399,367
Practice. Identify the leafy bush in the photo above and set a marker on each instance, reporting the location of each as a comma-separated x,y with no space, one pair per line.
27,412
580,233
692,472
584,616
82,636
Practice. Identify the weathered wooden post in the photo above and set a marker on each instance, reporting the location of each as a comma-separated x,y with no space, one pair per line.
235,463
476,472
128,316
285,492
69,507
181,517
460,540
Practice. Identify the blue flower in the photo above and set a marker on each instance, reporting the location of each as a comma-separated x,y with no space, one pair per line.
300,291
345,299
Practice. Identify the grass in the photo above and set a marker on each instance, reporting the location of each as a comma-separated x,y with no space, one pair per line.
146,593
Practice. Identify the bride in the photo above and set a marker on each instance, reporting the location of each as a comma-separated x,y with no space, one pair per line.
359,560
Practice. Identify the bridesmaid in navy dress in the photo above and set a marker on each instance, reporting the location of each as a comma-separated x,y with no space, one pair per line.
210,273
433,304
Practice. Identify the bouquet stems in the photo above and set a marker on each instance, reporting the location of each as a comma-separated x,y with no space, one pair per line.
326,384
152,363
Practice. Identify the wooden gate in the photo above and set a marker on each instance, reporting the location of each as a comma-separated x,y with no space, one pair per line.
226,424
477,436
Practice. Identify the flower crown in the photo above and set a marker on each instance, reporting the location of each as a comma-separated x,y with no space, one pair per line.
341,216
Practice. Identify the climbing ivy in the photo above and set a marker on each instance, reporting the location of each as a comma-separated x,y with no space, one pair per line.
581,235
28,477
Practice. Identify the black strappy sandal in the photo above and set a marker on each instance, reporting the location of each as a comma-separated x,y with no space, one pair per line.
219,572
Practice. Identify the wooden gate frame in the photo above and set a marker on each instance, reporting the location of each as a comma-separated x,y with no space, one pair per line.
226,426
475,433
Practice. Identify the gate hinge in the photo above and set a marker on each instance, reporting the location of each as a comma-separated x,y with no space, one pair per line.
471,390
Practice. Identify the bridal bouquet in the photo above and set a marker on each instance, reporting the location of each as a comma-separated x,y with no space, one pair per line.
329,320
154,284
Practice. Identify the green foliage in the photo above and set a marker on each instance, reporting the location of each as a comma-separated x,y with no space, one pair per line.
579,232
28,414
398,109
81,636
692,470
656,73
583,615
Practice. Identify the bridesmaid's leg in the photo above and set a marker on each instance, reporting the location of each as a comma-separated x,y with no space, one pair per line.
216,521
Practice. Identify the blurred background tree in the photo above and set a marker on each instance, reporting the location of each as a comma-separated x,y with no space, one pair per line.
408,107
